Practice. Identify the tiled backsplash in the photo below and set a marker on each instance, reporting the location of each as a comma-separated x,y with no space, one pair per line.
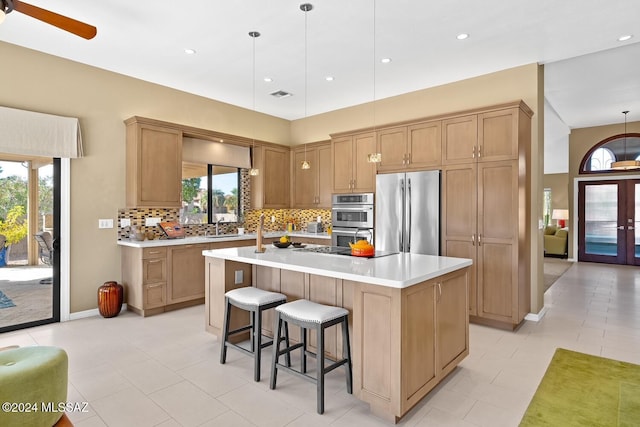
300,217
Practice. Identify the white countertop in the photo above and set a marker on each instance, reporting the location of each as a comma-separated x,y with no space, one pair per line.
220,238
396,271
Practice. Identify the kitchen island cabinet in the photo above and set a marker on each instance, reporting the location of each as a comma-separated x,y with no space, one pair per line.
407,313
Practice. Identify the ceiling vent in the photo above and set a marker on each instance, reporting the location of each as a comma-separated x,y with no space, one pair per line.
281,94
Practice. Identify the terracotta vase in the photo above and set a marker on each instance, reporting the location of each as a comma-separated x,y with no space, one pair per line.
110,298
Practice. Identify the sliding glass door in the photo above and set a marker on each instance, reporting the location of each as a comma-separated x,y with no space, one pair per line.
608,221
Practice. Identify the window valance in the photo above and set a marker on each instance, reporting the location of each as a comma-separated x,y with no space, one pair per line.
38,134
196,150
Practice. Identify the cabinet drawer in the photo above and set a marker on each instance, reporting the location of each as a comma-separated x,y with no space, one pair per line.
154,270
154,295
160,252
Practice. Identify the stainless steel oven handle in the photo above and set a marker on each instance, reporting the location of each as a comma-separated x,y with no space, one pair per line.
357,208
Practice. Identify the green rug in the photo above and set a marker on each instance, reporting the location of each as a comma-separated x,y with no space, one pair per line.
583,390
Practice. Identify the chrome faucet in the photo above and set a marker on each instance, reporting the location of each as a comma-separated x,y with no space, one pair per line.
217,226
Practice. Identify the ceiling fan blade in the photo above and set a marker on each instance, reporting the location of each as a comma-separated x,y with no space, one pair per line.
64,23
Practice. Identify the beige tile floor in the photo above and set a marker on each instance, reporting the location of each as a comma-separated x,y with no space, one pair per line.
164,370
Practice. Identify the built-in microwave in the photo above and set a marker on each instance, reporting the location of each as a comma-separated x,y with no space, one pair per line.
344,236
352,210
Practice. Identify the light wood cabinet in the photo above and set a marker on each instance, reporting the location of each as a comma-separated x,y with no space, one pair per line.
485,137
164,278
351,172
485,210
270,189
153,164
408,148
311,188
186,273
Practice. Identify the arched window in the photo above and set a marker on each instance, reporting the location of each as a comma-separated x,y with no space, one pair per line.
613,149
601,159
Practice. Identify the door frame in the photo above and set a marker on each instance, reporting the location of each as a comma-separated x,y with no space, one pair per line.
574,208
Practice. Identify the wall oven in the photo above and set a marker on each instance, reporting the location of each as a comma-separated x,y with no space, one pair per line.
349,213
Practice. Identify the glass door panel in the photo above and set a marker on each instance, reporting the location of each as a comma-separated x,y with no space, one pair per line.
609,221
601,219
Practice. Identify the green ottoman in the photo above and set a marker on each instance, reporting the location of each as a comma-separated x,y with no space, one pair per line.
33,380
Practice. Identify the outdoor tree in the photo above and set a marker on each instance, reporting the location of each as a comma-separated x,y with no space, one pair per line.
14,227
231,201
217,196
190,188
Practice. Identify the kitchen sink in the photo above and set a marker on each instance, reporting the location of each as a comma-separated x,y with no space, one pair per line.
219,236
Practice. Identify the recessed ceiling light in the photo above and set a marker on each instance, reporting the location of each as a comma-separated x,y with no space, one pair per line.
625,37
462,36
329,78
189,51
268,79
385,60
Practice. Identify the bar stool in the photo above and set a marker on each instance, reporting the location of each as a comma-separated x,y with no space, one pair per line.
255,301
310,315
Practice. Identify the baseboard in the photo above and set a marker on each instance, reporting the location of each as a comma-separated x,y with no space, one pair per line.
90,313
536,317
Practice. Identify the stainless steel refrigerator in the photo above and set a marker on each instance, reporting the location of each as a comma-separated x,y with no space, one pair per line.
407,212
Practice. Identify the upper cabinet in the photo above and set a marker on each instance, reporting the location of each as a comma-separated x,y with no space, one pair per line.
407,148
270,188
153,165
311,188
485,137
351,172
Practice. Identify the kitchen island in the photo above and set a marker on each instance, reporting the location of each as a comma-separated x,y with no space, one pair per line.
408,316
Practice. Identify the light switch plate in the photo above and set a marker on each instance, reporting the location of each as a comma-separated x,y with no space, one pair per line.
125,222
152,221
105,223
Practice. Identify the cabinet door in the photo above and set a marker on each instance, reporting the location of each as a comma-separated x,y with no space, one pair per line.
452,324
324,290
498,135
392,144
364,174
276,178
424,145
154,295
154,270
187,274
268,279
460,138
324,177
342,155
418,353
459,219
305,185
292,284
158,178
498,240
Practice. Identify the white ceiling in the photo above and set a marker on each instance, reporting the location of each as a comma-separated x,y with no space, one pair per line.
590,76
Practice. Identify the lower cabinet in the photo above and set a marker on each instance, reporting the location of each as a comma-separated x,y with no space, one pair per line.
165,278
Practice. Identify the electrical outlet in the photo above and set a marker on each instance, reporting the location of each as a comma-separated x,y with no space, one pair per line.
105,223
239,277
273,218
125,222
149,222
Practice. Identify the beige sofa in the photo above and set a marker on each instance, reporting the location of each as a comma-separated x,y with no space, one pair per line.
555,241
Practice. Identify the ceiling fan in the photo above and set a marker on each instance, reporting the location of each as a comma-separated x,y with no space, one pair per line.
64,23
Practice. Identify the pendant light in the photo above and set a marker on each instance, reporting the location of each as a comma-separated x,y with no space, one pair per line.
625,164
374,157
254,171
305,7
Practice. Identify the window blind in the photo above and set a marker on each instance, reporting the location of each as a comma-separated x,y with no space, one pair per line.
38,134
196,150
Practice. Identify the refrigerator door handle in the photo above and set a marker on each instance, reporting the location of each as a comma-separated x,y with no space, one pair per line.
409,215
402,226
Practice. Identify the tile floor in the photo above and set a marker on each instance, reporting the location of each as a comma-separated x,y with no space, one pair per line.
164,370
